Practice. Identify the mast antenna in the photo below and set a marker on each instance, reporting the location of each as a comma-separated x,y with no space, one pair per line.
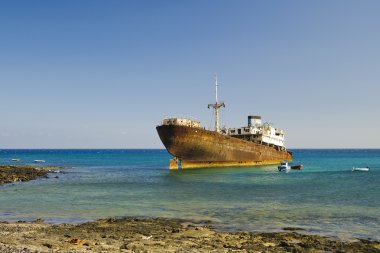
216,106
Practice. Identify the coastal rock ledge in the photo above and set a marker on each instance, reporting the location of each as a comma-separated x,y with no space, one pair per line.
18,173
161,235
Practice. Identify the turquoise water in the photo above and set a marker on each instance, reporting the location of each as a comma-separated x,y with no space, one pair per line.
325,197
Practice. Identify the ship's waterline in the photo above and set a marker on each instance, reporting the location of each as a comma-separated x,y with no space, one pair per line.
175,164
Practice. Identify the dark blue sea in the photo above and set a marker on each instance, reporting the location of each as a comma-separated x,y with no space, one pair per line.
325,197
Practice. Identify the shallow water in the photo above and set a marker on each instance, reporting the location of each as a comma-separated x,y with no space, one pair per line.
324,197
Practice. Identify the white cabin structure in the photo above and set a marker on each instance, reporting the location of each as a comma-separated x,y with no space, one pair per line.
258,132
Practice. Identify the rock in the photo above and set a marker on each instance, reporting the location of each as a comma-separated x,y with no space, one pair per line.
146,235
124,246
48,245
21,173
284,244
293,229
76,241
269,244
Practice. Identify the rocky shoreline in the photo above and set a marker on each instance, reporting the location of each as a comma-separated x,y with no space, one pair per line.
161,235
21,173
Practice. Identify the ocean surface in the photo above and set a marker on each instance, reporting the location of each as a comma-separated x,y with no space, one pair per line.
325,197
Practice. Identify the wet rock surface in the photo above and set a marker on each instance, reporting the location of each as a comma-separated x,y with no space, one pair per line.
162,235
18,173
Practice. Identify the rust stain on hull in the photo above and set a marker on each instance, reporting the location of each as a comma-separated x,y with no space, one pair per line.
197,148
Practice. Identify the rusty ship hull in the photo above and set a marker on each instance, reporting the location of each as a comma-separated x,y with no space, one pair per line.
197,148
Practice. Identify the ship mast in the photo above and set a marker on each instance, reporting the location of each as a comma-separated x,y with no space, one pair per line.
216,106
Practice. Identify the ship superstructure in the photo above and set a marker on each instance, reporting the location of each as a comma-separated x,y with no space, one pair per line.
260,133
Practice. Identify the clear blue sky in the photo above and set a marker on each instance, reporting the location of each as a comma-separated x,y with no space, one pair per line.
103,74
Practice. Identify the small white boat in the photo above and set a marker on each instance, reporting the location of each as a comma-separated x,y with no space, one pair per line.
361,169
39,161
284,166
15,159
